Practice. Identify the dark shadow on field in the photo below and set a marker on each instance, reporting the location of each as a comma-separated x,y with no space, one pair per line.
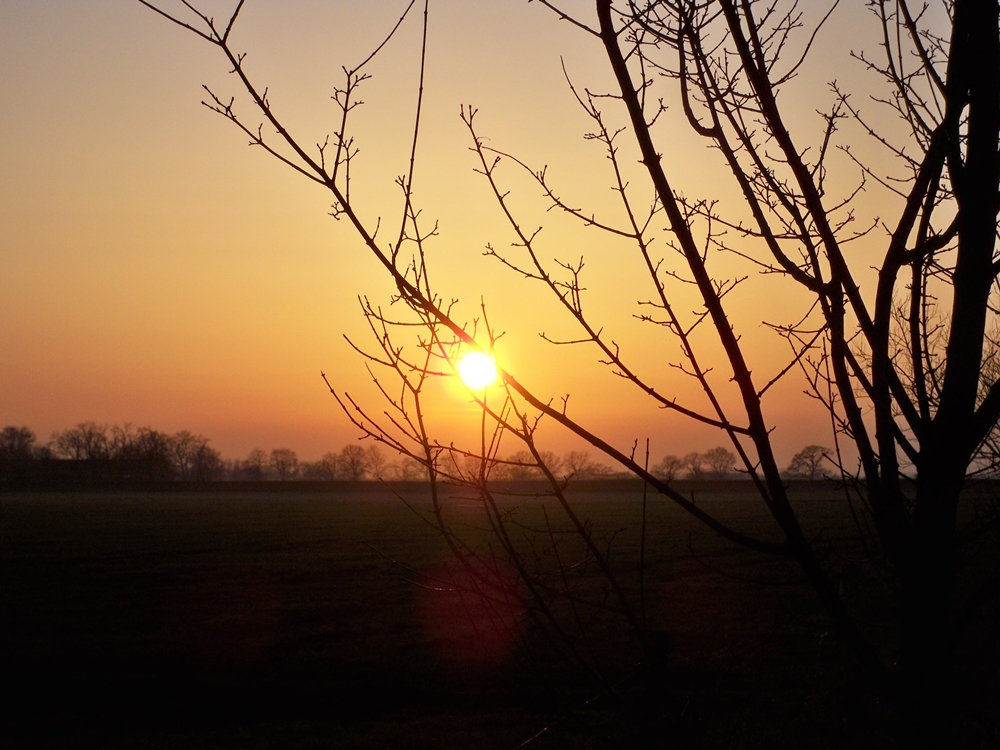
238,619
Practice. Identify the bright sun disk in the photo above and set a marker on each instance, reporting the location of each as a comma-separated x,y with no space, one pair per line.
477,370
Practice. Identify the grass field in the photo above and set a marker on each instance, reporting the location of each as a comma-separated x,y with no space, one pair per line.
295,620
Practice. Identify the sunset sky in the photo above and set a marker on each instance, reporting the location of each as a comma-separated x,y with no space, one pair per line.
157,271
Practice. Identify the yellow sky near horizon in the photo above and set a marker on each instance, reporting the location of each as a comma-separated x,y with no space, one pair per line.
154,270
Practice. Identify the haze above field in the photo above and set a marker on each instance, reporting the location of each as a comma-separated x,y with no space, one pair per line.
155,270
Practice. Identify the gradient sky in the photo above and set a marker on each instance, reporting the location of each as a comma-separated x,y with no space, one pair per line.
155,270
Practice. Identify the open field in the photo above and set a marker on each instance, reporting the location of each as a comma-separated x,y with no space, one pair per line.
253,620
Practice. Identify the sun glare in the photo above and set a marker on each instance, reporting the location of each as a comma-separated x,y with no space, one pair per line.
477,370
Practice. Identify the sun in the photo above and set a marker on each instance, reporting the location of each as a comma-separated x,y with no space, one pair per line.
477,370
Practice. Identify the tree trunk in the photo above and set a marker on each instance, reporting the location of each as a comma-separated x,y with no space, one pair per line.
928,579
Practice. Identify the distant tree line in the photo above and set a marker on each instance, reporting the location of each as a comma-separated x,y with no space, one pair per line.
718,463
97,451
93,451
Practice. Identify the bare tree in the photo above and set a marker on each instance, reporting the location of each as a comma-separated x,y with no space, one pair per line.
183,449
312,471
519,467
207,464
285,463
256,464
576,462
720,461
16,451
581,465
669,468
329,462
152,451
808,462
88,441
323,470
378,464
896,357
407,469
121,442
16,443
694,465
353,463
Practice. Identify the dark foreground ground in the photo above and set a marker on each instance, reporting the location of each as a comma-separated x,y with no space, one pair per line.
301,620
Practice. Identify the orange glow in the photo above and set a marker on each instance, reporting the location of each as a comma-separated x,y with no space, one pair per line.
210,297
